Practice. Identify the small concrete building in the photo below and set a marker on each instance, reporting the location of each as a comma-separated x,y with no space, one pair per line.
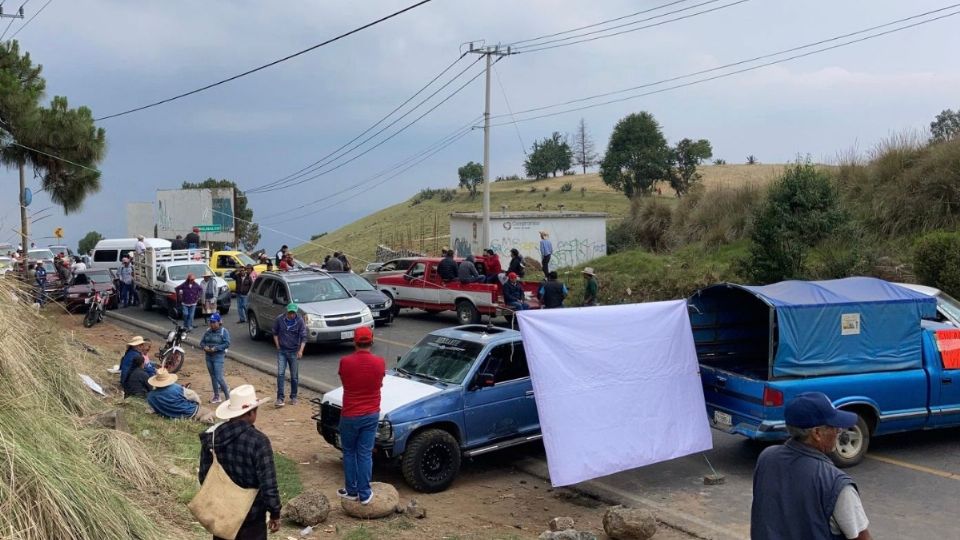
577,237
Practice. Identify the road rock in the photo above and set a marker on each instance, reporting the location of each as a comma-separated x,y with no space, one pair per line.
569,534
629,523
414,510
561,523
384,503
309,508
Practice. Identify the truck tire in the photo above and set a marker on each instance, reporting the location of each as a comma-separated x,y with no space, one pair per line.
467,313
254,327
431,461
852,445
146,299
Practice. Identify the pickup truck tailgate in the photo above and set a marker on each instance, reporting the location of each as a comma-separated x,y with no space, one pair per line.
735,403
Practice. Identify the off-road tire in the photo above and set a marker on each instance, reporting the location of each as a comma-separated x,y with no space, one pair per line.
853,452
431,461
467,313
175,362
90,318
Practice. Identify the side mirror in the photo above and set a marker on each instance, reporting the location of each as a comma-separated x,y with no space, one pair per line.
162,279
485,380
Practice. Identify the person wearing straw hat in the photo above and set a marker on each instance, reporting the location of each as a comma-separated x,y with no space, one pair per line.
209,292
546,251
132,352
170,400
246,456
591,289
215,342
362,376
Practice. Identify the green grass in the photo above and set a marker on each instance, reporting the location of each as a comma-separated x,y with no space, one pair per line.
361,532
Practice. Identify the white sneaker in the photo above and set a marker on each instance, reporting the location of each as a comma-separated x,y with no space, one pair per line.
367,500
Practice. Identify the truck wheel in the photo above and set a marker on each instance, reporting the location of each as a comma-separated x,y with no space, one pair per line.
254,327
146,299
431,461
466,313
852,444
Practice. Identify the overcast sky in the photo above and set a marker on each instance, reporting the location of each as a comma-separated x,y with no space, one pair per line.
112,55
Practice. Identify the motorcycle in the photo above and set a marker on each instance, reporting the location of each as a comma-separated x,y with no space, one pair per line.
98,304
171,354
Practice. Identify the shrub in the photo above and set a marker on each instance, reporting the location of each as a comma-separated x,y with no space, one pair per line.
569,173
425,194
447,195
936,261
546,188
583,191
647,226
518,190
801,209
715,216
566,187
321,235
533,189
719,161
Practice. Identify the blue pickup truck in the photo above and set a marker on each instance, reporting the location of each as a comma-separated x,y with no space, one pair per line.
872,346
461,391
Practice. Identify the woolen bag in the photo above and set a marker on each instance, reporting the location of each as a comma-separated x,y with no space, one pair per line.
221,505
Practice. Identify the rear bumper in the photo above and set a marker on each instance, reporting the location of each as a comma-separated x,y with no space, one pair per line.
752,428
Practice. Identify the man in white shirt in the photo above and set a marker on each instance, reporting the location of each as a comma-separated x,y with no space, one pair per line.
141,247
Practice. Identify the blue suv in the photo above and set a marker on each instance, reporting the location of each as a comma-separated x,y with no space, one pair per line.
460,391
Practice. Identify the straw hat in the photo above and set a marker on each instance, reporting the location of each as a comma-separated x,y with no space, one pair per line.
242,399
137,340
588,270
207,273
162,378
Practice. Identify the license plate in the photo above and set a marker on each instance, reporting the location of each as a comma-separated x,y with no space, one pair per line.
376,313
346,335
722,419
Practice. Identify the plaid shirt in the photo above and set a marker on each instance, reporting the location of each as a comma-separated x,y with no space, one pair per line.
247,457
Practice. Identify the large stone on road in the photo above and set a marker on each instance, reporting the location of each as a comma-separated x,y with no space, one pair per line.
629,523
384,503
308,508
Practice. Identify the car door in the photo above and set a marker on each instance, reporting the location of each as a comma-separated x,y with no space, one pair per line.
507,409
945,385
262,302
413,283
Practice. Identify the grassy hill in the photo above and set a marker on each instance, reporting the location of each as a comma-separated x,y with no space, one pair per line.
408,225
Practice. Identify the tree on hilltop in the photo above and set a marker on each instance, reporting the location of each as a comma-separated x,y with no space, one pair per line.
549,156
686,157
637,155
583,149
471,176
945,126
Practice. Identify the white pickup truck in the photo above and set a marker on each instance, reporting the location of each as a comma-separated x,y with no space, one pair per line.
158,272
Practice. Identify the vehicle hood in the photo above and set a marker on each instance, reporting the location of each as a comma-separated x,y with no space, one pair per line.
332,307
177,282
371,297
85,289
395,393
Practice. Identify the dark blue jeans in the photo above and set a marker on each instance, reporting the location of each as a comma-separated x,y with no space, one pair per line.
287,358
357,435
188,312
242,307
215,369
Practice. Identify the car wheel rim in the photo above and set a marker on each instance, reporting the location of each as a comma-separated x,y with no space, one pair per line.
252,324
436,462
850,443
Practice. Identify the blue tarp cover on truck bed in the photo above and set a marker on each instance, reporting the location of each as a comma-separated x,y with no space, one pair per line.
850,325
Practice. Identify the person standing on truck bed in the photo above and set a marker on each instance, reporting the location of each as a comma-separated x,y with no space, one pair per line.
362,376
467,271
798,493
447,267
516,263
193,238
513,295
546,251
281,254
178,243
491,266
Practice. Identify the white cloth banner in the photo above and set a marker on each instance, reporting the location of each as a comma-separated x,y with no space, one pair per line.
617,387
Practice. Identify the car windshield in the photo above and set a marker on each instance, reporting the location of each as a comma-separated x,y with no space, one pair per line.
180,271
99,276
354,282
40,254
949,305
245,259
317,290
442,358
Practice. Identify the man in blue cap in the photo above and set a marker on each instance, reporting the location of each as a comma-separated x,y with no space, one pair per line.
215,342
798,493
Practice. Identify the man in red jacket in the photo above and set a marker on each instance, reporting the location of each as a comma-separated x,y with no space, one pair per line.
362,376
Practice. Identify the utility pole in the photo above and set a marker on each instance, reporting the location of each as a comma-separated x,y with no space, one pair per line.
489,52
17,15
24,233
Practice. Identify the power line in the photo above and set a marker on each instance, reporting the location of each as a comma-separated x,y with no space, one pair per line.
523,147
368,150
264,66
594,25
364,132
282,184
736,72
537,46
39,11
58,158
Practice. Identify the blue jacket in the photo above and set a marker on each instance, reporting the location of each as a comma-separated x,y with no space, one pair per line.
126,363
170,402
513,292
219,340
290,337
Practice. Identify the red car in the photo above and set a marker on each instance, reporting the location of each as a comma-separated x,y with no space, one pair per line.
80,287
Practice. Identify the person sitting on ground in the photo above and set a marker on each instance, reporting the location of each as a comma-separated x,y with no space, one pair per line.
513,293
467,271
132,353
553,292
447,268
136,383
516,263
491,266
144,349
170,400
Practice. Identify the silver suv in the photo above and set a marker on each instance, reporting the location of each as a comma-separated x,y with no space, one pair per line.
331,313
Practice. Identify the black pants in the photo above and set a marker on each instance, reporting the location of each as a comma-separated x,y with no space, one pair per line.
545,262
251,530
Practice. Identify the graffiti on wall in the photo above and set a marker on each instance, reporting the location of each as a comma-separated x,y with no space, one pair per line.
565,252
461,247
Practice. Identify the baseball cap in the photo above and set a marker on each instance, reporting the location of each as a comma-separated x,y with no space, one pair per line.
363,335
512,275
214,317
812,409
291,307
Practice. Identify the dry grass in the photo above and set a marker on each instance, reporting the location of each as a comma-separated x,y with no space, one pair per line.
124,456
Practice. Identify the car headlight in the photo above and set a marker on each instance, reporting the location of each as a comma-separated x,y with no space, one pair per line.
223,289
388,303
170,335
315,321
384,431
366,315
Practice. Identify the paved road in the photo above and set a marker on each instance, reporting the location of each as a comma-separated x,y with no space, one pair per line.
909,482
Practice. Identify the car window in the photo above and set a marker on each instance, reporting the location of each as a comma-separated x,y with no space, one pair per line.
388,267
507,363
404,264
354,282
226,261
105,255
417,270
179,272
280,294
245,259
444,358
266,287
317,290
